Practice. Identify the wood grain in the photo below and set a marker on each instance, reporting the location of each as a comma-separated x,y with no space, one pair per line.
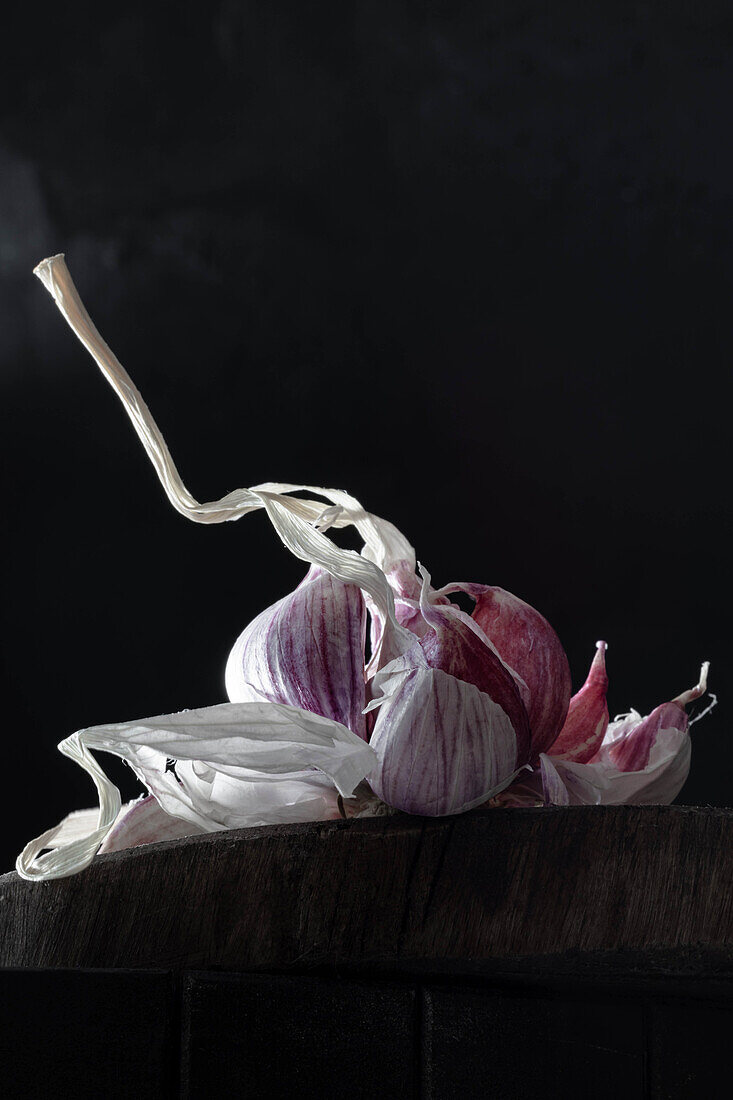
466,894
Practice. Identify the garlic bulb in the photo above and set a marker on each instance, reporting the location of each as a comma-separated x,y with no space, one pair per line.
449,710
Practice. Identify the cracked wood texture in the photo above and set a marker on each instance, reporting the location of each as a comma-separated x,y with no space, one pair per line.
465,894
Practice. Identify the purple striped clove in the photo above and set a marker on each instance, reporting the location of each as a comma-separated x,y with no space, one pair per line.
442,745
452,730
306,651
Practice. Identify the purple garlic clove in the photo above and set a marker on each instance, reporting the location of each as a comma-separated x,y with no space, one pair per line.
453,645
587,719
452,730
526,642
307,651
442,745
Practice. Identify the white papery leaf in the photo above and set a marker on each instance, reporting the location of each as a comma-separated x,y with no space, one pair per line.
253,747
242,805
55,276
237,802
34,863
78,825
384,544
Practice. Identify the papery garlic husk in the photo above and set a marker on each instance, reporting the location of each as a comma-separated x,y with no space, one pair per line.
406,587
306,651
295,520
588,717
308,798
143,821
232,759
600,783
235,765
527,643
543,787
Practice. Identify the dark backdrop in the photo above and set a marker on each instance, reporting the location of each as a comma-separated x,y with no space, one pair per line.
470,261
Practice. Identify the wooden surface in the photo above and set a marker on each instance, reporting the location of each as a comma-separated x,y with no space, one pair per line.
505,953
649,889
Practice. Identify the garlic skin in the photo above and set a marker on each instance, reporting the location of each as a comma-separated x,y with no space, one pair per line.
306,651
406,588
588,717
411,596
236,765
144,822
629,747
308,798
601,783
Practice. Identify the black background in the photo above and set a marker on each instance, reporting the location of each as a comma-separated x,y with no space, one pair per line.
470,261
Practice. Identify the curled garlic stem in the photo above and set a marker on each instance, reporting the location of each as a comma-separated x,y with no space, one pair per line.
694,693
299,523
55,276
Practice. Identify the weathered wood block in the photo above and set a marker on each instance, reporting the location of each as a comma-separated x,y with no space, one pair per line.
468,894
